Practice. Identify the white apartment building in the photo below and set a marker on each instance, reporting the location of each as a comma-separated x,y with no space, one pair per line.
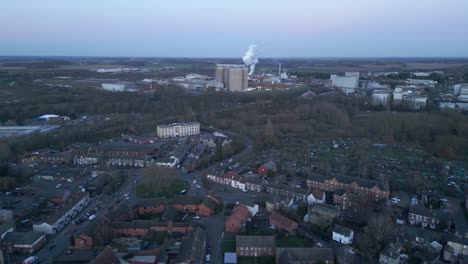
178,130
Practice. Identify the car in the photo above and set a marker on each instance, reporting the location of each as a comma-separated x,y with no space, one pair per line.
68,252
198,186
88,214
196,217
319,244
194,181
51,246
92,217
208,257
126,194
70,180
183,192
58,186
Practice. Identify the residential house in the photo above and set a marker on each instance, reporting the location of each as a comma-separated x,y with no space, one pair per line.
122,213
304,256
150,259
141,228
316,196
321,213
186,203
391,254
120,154
455,250
269,167
23,242
237,219
166,162
136,228
83,241
255,246
151,206
6,227
107,256
343,235
254,184
297,194
193,248
207,207
420,215
282,223
374,190
63,215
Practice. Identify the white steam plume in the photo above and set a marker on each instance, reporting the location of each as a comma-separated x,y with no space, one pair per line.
250,58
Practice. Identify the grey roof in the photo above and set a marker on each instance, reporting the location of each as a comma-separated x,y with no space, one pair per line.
144,224
255,241
193,246
346,179
421,210
170,214
147,259
186,200
209,203
300,255
178,124
6,225
25,238
151,202
342,230
392,250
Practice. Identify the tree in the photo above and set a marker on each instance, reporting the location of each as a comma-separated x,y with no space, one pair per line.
269,134
159,180
102,233
219,152
381,228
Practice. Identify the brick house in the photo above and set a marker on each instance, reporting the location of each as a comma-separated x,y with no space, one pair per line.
83,241
374,190
208,206
193,248
297,194
237,218
23,242
255,246
304,256
151,206
186,203
420,215
140,228
136,228
282,222
270,166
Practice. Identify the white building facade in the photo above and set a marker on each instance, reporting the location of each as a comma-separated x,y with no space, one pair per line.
178,130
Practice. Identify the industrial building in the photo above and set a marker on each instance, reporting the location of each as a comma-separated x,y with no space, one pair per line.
119,87
347,83
381,97
234,77
178,130
461,90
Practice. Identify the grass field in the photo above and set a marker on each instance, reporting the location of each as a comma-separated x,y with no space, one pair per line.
142,191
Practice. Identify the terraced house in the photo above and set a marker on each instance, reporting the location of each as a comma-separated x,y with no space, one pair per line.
373,190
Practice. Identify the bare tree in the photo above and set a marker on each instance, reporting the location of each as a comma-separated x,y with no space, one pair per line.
380,227
102,233
159,179
269,134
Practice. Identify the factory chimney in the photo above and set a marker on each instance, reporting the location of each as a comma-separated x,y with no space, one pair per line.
279,70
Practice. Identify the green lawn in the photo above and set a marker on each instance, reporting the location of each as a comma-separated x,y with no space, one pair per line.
260,260
142,191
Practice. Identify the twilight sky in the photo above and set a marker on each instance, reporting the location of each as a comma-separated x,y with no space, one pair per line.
225,28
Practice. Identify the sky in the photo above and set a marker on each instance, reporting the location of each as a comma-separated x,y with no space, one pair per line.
225,28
